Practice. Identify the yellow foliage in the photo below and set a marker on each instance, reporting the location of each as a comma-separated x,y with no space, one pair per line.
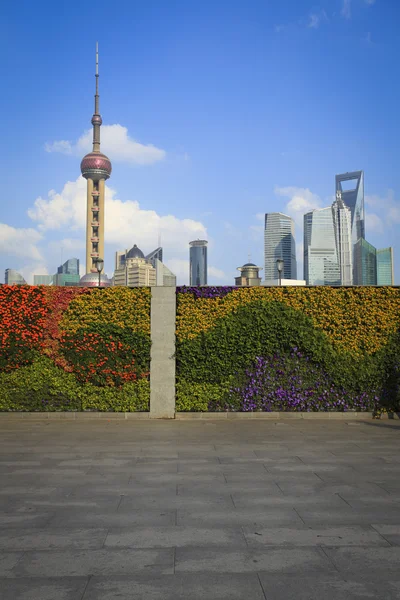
357,319
122,306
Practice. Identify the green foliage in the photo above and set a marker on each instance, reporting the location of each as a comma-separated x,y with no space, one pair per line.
257,329
131,397
218,359
42,386
195,397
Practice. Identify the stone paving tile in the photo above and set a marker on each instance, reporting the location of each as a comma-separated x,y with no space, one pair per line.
150,498
223,560
8,560
129,518
45,539
268,516
331,587
73,563
55,588
259,499
176,536
212,586
328,536
366,516
172,501
391,533
25,520
366,561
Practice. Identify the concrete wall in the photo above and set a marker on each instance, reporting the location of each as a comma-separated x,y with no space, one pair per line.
162,379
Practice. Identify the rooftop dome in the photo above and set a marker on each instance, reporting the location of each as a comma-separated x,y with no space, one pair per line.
135,252
249,265
96,165
92,280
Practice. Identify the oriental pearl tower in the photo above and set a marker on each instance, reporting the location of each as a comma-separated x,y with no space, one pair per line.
95,168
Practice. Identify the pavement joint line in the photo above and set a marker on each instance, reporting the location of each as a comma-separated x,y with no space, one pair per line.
300,517
261,586
344,500
86,586
244,536
323,549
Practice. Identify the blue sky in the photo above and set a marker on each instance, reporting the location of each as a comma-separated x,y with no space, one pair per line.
214,113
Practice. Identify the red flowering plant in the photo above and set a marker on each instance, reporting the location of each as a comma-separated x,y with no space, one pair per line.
23,311
106,355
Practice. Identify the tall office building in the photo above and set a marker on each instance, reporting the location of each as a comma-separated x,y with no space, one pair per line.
96,169
42,279
351,187
12,277
279,242
344,248
384,267
364,258
157,254
164,276
133,270
198,262
321,264
68,273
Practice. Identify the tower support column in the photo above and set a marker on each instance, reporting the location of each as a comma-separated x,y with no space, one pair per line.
89,218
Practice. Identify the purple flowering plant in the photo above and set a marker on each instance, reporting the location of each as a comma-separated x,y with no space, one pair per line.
291,382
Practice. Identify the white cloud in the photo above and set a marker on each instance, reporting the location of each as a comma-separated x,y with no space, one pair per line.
388,207
20,243
115,142
301,201
217,277
315,19
373,223
346,9
370,2
126,223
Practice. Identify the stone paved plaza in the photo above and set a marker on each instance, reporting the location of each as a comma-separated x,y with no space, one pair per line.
143,510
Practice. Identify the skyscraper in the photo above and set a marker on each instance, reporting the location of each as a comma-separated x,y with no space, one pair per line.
198,262
351,187
68,273
12,277
384,267
321,264
344,247
42,279
364,258
156,254
96,169
279,242
133,269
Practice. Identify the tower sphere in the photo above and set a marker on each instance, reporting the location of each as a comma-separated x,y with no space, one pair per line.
97,120
96,165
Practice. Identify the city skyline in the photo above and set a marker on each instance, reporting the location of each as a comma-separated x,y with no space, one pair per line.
205,130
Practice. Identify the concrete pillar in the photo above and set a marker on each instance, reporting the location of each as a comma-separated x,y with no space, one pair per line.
162,366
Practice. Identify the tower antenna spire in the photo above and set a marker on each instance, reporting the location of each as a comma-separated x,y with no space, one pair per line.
96,119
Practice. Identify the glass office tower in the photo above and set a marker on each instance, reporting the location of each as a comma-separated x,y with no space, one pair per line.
198,262
384,267
321,264
12,277
279,242
344,247
351,188
364,258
